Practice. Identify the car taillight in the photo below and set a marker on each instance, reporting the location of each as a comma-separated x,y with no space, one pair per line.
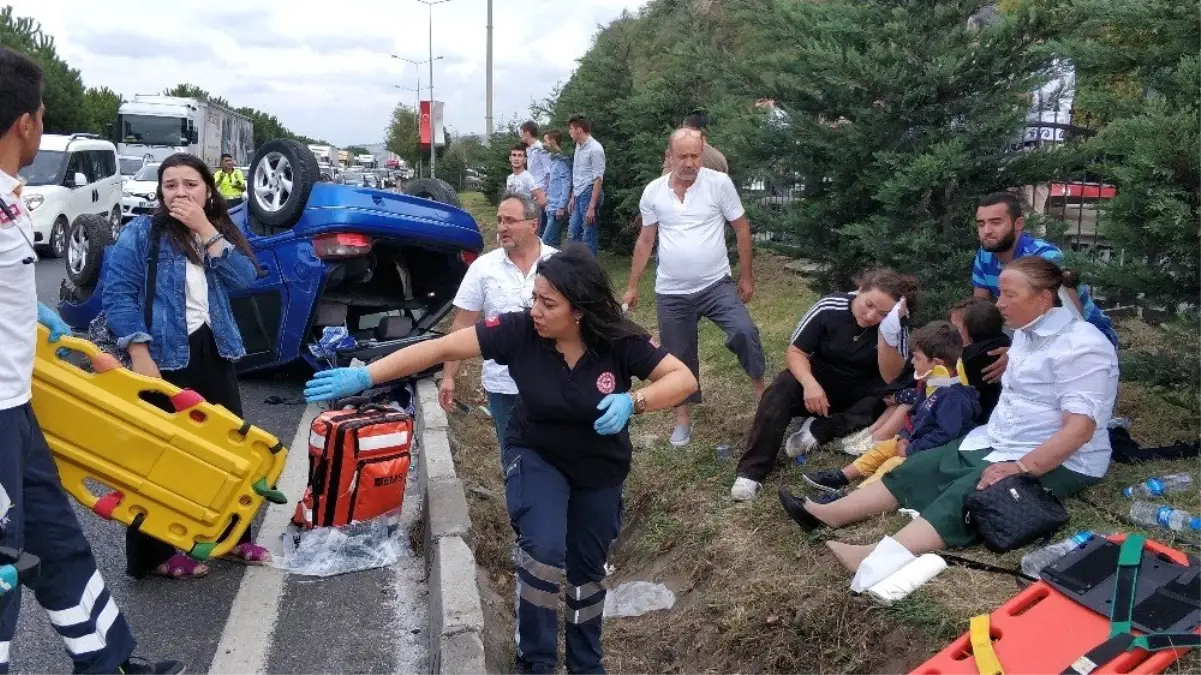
468,257
335,246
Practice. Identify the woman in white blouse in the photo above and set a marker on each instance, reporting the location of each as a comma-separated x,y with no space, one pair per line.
1058,393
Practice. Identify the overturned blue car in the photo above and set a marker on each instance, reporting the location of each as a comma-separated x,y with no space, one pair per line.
379,268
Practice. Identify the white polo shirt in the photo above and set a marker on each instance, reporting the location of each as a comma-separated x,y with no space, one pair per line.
18,298
495,285
692,232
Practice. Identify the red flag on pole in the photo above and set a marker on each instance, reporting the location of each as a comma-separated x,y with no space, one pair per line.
426,133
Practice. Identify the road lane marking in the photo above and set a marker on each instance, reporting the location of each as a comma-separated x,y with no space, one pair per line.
246,640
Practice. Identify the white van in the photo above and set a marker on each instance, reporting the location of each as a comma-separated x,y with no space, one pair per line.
71,175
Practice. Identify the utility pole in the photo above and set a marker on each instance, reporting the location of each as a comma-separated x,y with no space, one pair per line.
417,110
488,114
433,140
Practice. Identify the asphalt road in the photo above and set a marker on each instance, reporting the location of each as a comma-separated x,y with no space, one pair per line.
371,621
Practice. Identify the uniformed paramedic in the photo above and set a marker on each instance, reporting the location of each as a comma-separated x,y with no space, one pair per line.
35,515
566,451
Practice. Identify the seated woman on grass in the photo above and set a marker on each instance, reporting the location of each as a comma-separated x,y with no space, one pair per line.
1052,419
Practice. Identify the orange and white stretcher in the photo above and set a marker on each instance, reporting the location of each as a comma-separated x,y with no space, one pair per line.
193,478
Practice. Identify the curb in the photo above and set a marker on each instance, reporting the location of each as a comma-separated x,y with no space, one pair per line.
456,617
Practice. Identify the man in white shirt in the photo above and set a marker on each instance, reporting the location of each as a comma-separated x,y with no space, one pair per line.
687,210
35,516
537,161
521,181
499,281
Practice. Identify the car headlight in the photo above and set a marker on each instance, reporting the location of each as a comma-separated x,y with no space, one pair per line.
32,202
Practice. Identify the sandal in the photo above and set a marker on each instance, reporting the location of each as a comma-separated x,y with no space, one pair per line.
180,567
249,553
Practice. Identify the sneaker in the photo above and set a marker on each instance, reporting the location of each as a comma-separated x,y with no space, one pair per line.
827,497
826,480
744,489
681,435
856,445
795,508
134,665
801,442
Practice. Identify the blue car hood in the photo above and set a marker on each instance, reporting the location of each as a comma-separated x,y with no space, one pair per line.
381,214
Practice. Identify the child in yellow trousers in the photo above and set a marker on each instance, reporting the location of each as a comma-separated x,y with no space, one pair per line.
945,409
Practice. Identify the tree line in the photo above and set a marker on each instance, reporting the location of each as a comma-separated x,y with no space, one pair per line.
72,107
883,121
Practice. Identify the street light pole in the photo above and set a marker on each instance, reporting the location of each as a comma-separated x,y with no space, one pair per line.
488,114
433,141
417,110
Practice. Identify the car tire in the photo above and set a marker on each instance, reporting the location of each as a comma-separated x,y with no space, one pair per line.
89,235
56,247
433,189
277,165
115,222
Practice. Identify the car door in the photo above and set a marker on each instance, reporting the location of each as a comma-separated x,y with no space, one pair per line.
260,309
83,196
109,182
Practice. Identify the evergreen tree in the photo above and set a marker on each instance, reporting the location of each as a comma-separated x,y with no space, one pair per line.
898,117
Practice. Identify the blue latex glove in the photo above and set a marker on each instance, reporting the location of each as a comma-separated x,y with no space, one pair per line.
51,320
617,410
336,383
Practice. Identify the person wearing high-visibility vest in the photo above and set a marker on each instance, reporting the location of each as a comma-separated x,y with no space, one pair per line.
231,183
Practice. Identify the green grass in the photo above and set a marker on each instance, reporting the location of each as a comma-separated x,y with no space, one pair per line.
754,593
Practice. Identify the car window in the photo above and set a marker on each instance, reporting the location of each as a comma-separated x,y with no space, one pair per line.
106,161
47,168
148,172
80,163
130,166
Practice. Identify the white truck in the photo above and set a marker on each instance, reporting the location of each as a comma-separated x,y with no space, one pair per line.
155,127
325,154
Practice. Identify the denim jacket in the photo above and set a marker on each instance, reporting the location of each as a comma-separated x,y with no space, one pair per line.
560,182
124,296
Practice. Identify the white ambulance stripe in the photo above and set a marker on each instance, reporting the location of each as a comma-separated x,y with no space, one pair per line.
392,440
834,304
4,653
94,642
81,613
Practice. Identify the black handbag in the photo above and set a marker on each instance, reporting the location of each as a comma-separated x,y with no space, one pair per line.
1013,512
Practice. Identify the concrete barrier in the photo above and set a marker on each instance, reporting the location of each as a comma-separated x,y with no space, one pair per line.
456,616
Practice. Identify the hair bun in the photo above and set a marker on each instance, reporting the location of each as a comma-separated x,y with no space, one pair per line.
1071,278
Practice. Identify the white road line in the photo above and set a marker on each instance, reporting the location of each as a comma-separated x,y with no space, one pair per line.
246,640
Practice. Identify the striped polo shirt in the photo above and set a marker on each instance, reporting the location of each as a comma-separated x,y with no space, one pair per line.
986,272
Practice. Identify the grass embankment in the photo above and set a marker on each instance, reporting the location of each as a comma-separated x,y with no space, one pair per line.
754,593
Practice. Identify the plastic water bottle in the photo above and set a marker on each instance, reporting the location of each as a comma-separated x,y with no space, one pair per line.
1034,562
1157,486
1156,515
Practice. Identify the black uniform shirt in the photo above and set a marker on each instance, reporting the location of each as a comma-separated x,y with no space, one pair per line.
557,405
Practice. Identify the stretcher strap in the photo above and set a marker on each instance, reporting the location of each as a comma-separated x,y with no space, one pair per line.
981,637
244,429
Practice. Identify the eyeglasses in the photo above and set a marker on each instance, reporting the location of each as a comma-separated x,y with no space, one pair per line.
505,220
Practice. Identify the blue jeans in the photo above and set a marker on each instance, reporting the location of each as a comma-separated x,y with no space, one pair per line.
553,234
560,528
578,228
501,407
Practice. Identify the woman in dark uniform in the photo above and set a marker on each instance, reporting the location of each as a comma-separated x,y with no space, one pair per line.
566,452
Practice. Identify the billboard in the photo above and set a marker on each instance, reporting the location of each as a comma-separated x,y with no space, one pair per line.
431,123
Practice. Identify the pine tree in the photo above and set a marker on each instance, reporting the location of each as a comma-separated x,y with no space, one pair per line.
898,117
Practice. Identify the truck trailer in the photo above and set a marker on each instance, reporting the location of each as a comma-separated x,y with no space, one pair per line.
155,127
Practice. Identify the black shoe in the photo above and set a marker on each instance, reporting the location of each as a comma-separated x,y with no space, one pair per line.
795,508
827,497
137,666
827,480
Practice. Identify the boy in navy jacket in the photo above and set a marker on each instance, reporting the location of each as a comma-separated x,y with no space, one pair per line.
945,408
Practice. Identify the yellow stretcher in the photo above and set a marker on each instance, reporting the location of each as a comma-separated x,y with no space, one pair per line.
193,478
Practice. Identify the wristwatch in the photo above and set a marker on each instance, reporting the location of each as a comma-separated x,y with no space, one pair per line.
639,402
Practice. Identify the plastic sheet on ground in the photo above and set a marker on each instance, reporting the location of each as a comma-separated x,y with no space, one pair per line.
330,551
635,598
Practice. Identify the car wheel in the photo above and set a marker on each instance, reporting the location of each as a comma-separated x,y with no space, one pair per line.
86,241
58,239
433,189
282,176
115,222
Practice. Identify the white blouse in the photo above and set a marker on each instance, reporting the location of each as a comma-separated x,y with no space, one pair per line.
1057,365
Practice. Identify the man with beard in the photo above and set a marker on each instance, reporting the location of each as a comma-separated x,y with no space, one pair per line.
999,225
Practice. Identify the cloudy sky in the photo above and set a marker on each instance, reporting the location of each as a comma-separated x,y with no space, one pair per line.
324,67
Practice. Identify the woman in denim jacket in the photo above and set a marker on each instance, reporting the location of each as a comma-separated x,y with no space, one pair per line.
193,340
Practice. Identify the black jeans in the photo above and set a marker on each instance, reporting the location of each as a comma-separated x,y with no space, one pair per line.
853,406
214,378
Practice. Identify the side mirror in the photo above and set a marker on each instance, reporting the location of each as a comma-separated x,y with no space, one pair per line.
77,180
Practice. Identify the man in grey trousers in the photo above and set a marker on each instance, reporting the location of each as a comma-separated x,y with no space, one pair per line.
687,211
